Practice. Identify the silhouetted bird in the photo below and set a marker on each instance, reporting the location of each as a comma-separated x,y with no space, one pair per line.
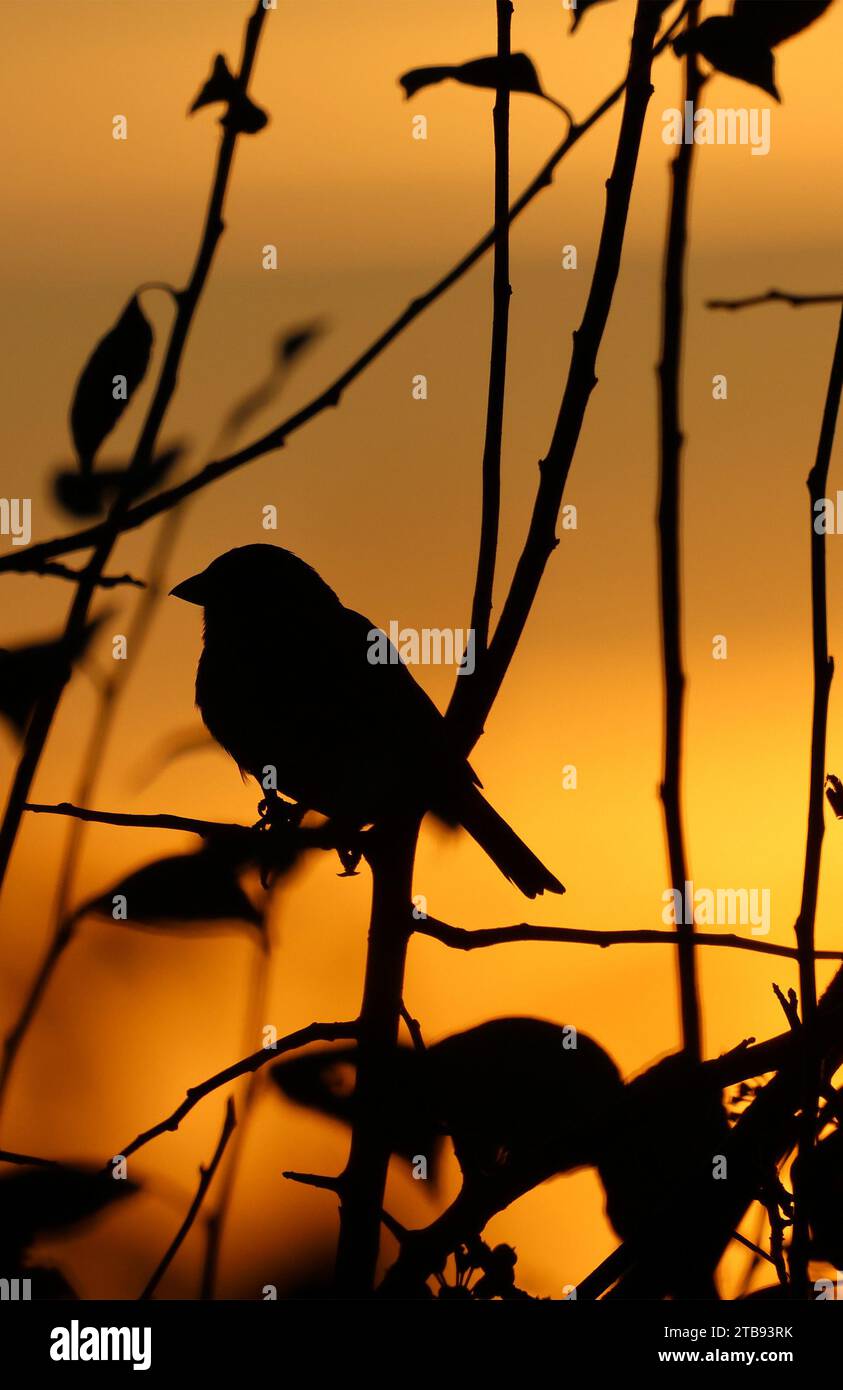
286,681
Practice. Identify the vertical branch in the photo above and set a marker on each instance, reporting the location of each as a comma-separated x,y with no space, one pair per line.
187,300
823,666
554,468
362,1184
670,563
481,608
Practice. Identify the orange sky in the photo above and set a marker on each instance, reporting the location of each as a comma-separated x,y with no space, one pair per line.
382,496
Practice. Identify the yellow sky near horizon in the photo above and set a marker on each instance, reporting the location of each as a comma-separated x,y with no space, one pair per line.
382,496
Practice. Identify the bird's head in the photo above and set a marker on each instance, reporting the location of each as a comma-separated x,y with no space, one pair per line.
254,579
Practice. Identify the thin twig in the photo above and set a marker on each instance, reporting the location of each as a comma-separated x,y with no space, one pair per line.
473,708
54,570
206,1177
22,558
314,1032
28,1160
413,1028
481,608
750,1245
797,301
465,939
669,537
334,1185
186,301
823,671
256,840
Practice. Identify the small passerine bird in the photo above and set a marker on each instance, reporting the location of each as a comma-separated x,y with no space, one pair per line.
287,682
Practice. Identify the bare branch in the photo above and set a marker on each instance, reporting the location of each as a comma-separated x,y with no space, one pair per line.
464,939
138,515
28,1160
54,570
823,671
258,840
671,440
796,301
469,712
206,1176
314,1032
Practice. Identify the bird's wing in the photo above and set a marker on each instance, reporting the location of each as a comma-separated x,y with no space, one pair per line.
389,701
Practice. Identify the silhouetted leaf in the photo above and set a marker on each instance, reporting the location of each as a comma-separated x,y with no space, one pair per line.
183,888
734,49
244,116
776,20
41,1201
220,86
661,1137
293,343
89,494
480,72
519,1102
123,352
834,793
27,672
288,348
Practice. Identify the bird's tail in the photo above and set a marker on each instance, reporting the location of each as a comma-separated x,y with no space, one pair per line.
515,861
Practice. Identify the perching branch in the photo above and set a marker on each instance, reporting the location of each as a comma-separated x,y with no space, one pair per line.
796,301
22,559
464,939
206,1177
669,535
554,468
253,839
391,856
186,301
314,1032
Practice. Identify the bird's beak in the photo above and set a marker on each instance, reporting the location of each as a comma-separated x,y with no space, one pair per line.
192,590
